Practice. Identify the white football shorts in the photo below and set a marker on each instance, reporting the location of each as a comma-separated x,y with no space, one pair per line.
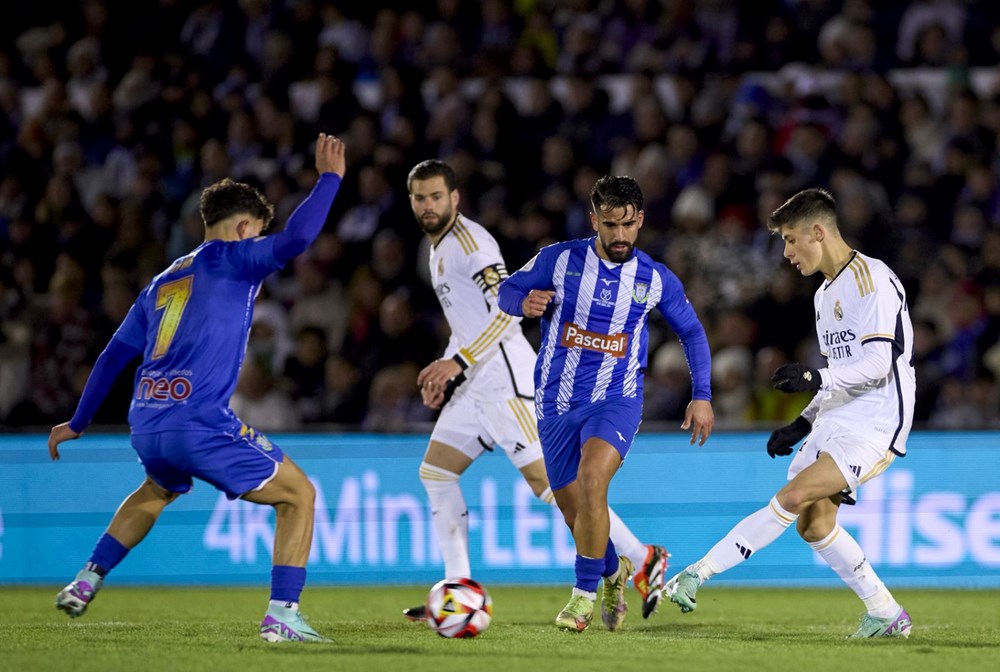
859,457
472,426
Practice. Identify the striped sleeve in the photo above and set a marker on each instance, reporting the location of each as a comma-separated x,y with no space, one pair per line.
489,274
536,274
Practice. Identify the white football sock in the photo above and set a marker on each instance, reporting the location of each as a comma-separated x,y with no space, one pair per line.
626,543
750,535
846,558
451,518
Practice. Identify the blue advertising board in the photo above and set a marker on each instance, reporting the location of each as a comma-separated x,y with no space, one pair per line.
932,519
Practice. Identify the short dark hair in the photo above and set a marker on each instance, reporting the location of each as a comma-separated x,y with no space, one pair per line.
616,191
226,198
806,205
425,170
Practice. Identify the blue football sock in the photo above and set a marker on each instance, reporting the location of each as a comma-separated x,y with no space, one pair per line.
287,583
610,560
588,572
106,555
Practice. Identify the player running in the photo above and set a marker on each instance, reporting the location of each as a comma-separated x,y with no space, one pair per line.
484,383
190,326
594,297
854,427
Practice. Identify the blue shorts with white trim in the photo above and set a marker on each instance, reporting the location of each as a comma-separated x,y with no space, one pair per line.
234,463
613,420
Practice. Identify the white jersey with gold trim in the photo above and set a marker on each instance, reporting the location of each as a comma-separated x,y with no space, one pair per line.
466,270
864,331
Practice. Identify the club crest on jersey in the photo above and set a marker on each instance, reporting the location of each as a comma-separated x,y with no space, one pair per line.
838,311
641,292
263,443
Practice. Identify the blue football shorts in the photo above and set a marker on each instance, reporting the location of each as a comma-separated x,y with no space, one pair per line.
614,420
235,463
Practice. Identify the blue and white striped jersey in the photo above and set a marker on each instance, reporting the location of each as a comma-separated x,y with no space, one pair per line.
595,331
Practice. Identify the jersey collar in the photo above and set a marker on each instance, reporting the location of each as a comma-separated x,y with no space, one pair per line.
451,228
854,255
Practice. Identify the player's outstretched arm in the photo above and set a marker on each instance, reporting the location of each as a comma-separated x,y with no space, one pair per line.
308,219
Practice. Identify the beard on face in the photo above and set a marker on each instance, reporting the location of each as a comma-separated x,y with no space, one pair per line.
620,255
434,224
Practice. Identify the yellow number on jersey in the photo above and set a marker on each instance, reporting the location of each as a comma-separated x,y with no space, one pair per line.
172,297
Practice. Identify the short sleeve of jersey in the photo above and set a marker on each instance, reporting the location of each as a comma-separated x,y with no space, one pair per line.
132,330
252,259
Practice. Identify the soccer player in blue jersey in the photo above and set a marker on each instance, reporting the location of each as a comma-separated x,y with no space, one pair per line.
190,326
594,297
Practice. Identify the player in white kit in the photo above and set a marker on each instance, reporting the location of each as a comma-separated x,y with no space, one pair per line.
855,426
484,382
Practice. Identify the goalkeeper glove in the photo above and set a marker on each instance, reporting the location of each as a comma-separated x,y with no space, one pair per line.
784,438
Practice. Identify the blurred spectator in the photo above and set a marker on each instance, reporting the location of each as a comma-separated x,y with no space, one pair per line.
394,401
257,400
61,342
305,373
720,109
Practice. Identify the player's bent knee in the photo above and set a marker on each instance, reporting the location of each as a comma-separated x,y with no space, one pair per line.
159,492
307,493
815,530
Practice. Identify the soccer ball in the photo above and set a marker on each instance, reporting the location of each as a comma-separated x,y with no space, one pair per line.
459,608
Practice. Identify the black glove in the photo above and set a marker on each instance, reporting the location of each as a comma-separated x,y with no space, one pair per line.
784,438
451,386
796,378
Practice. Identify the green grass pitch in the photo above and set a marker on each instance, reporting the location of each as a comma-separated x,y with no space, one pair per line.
215,630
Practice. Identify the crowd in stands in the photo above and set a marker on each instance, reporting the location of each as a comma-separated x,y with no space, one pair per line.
114,115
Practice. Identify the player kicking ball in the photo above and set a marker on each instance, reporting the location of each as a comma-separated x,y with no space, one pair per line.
854,427
190,326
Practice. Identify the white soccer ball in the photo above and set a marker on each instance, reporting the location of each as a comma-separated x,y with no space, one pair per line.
459,608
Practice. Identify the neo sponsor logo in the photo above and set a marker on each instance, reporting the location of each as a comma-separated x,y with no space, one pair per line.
163,389
608,344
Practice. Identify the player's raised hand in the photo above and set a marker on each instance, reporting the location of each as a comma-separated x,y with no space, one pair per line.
59,434
330,155
536,302
699,418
